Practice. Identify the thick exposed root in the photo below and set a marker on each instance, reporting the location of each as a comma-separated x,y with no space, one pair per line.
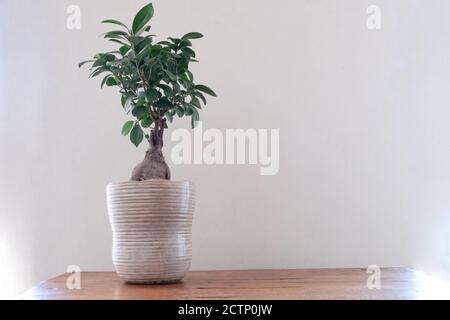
153,166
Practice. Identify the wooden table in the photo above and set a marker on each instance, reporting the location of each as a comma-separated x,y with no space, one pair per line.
396,283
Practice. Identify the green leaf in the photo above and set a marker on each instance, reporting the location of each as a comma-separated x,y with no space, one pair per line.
141,45
195,114
194,118
190,75
171,75
169,117
201,96
167,89
104,81
109,57
188,109
155,50
123,99
185,43
174,40
127,127
139,112
137,135
99,62
141,96
205,89
192,35
186,82
118,41
111,21
188,51
180,112
163,103
147,122
176,87
84,62
123,50
195,102
115,34
98,72
152,95
142,18
111,82
128,104
103,58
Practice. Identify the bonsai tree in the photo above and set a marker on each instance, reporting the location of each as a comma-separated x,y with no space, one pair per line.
155,85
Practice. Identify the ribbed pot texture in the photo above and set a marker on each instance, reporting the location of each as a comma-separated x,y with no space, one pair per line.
151,223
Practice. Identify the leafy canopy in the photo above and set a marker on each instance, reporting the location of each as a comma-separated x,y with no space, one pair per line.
154,78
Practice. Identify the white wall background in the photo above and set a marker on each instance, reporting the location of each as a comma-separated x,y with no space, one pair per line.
364,136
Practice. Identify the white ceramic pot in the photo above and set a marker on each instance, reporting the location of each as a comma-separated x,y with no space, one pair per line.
151,223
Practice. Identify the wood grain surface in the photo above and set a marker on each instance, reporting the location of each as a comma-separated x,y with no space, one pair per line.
396,283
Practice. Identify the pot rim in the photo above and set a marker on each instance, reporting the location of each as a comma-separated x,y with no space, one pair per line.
151,182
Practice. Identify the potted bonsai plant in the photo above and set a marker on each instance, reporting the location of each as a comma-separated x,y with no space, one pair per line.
151,216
